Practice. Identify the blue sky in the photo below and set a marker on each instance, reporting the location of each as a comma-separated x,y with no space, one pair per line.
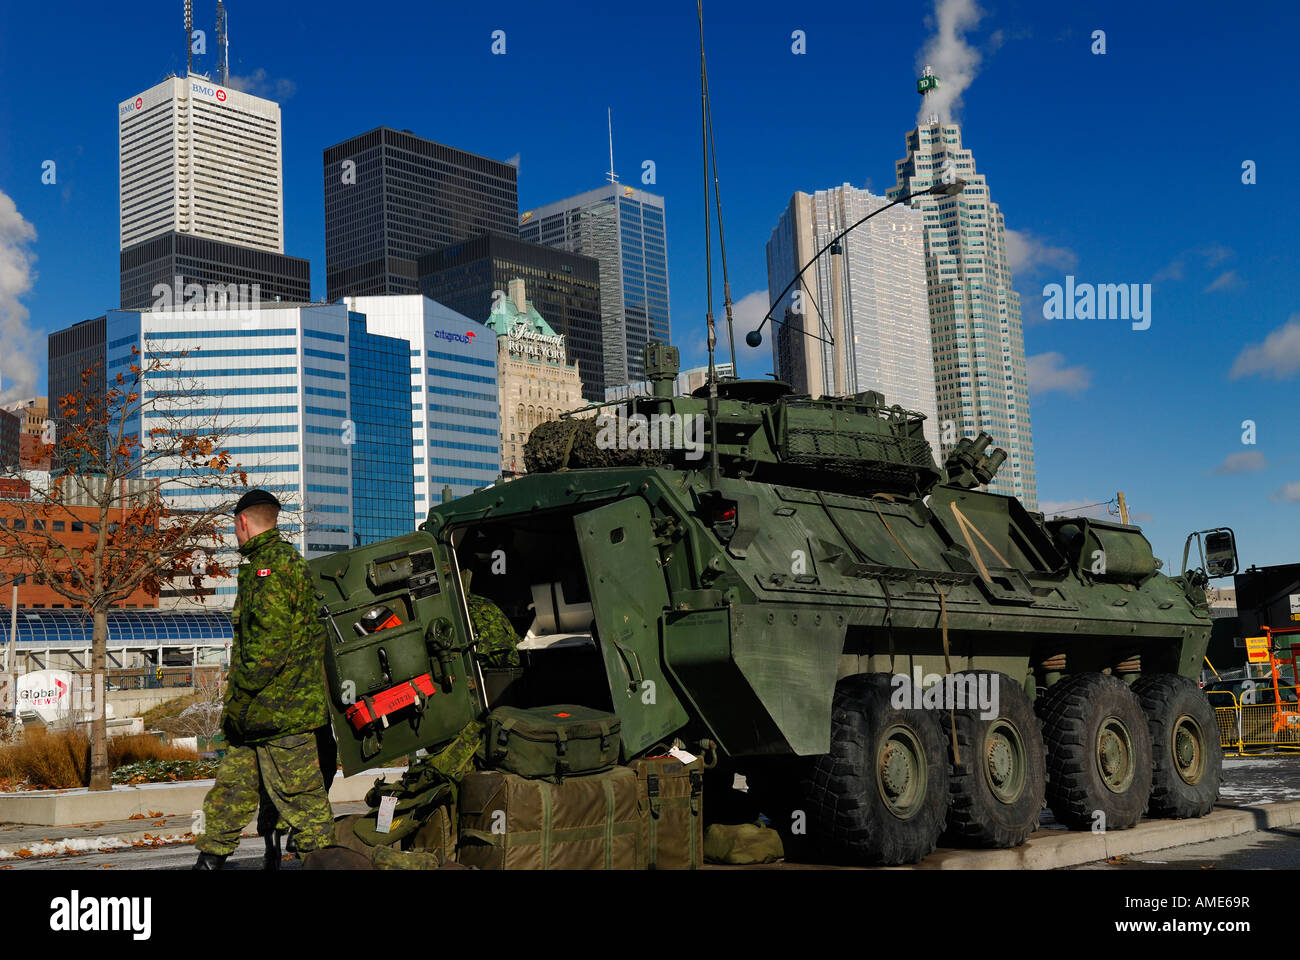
1117,168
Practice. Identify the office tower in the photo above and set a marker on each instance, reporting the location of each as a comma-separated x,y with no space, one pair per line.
178,268
536,381
859,318
453,392
200,159
299,387
471,277
976,334
201,193
623,228
391,196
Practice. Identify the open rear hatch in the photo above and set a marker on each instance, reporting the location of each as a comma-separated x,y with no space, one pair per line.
398,664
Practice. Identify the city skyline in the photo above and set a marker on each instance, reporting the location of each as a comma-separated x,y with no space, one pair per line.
1060,154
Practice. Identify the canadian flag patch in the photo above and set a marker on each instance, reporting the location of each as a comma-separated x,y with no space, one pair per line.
264,573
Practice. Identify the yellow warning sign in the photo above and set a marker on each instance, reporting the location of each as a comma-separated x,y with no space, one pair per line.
1257,649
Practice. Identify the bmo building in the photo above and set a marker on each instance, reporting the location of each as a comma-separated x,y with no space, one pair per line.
455,409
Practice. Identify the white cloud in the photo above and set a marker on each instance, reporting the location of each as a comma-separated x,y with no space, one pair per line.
955,62
1228,280
1027,254
1047,373
17,342
1277,357
259,84
1289,493
1247,461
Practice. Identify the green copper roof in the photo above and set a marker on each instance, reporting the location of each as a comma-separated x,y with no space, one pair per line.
505,315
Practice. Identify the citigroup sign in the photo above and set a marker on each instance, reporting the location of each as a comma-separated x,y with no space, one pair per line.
466,337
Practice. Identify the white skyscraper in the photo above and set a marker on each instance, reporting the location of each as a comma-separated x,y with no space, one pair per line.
867,302
198,158
978,341
454,394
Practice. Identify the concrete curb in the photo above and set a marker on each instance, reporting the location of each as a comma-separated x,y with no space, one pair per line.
53,808
1056,849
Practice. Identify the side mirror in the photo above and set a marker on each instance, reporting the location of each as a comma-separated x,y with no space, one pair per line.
1220,554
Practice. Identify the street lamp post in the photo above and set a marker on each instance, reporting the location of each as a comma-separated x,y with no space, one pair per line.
941,189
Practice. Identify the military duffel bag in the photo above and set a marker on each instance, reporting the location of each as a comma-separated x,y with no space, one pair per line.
594,822
742,843
552,742
672,800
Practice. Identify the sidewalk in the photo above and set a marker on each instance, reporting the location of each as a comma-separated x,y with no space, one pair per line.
36,840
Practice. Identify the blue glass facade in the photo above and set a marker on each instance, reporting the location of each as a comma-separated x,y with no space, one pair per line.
383,474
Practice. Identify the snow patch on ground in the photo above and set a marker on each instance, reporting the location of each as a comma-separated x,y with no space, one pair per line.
85,845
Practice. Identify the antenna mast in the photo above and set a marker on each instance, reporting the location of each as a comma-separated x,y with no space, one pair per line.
223,47
611,175
708,260
189,37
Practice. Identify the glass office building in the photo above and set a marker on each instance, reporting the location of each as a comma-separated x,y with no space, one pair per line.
868,300
564,287
455,406
981,381
623,228
278,382
391,197
383,467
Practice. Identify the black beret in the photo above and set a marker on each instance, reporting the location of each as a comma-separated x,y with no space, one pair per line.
255,498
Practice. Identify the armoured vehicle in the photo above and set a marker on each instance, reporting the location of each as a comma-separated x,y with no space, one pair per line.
795,589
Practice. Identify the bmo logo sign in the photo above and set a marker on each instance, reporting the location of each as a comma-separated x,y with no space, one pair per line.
131,106
213,93
466,337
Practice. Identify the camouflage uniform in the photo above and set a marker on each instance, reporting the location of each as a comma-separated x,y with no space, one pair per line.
275,699
497,640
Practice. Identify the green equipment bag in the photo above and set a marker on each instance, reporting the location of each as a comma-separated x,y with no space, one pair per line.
594,822
742,844
672,803
552,742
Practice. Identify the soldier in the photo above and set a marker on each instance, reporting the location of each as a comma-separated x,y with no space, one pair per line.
275,695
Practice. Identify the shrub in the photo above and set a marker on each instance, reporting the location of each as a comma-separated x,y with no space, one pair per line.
62,760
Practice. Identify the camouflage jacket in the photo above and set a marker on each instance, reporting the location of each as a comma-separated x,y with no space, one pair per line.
497,639
277,675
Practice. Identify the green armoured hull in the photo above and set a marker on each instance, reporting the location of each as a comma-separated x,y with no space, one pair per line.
780,583
754,631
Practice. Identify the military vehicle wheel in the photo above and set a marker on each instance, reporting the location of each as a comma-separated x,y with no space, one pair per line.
996,791
1188,760
881,794
1098,752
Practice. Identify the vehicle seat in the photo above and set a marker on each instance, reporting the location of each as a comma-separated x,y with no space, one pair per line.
556,622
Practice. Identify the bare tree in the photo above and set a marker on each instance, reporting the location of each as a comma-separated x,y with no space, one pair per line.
107,446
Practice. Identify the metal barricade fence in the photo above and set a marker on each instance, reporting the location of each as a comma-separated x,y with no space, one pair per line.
1257,728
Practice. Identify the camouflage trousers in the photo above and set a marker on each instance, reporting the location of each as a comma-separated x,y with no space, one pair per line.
268,817
287,770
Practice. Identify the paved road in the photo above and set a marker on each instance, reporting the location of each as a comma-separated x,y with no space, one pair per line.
1263,850
1246,781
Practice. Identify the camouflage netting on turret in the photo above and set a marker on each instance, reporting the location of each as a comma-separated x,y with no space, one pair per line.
544,452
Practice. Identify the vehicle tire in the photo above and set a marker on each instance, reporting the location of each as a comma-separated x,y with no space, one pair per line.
1098,752
996,792
1187,758
881,795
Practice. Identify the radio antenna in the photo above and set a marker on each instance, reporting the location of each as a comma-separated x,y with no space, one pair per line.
712,339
